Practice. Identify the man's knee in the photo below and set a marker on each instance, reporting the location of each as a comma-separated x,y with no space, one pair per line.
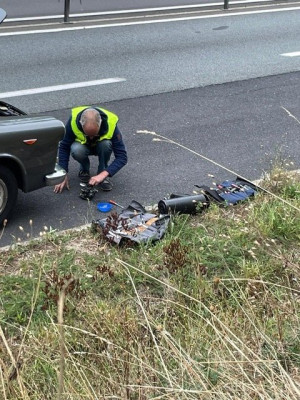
106,144
79,151
104,147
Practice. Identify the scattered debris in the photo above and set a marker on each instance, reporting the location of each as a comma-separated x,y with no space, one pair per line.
228,192
133,224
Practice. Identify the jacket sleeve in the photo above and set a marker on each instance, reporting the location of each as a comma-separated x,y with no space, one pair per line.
65,147
120,153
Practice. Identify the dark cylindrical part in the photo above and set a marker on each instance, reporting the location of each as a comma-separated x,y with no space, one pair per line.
182,205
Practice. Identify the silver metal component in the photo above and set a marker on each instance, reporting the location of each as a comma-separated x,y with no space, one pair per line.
56,177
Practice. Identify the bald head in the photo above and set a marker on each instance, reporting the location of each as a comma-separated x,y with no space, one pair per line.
91,121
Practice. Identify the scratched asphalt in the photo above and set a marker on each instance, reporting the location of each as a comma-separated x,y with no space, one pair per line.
241,126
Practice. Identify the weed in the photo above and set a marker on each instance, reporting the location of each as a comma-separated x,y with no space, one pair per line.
55,283
175,255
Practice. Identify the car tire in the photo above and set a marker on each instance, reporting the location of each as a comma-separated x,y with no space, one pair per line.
8,192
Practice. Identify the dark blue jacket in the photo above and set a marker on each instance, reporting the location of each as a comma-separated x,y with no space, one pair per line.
118,146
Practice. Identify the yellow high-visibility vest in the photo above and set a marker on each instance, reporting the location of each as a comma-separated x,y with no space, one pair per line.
112,120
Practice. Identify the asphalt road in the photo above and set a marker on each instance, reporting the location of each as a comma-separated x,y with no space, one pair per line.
215,85
153,58
241,125
54,7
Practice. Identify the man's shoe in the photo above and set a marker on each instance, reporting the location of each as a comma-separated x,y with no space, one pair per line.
106,185
84,176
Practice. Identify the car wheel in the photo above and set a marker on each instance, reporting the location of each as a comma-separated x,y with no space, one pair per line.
8,192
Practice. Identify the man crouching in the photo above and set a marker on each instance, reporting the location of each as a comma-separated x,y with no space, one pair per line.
92,131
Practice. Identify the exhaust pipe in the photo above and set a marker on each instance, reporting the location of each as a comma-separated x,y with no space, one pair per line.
183,204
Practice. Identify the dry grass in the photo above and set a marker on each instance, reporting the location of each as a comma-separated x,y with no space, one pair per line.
211,312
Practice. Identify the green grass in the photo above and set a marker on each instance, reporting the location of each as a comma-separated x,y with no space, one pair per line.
209,312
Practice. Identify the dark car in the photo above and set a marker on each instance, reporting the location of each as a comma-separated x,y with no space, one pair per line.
28,152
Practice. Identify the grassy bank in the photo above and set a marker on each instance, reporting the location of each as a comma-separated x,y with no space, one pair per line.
209,312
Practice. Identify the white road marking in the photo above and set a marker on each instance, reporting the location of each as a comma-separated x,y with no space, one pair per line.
134,11
76,28
60,87
293,54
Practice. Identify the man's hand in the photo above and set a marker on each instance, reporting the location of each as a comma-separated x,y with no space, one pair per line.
95,180
65,184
